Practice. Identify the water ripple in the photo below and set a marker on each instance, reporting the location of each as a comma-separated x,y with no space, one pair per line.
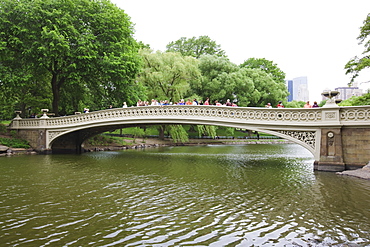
173,199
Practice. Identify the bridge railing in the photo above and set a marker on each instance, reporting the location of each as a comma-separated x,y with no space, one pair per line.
279,116
355,114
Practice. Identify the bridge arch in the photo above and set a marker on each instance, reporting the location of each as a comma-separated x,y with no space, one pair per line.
78,135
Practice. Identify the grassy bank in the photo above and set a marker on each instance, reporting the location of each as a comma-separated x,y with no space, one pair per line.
10,138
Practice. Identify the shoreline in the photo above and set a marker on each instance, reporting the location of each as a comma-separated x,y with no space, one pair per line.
150,143
363,173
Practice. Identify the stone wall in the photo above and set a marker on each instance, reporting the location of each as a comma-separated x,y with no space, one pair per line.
36,138
356,147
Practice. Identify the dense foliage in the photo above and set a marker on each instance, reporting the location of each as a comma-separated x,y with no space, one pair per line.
356,100
14,142
79,52
166,75
265,65
196,47
222,80
66,55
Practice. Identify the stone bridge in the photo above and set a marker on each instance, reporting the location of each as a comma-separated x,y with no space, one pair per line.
338,137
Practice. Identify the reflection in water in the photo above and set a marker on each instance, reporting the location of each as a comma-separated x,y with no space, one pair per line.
252,195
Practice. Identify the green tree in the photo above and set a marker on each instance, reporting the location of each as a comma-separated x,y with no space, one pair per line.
167,74
20,90
294,104
359,63
356,100
137,132
78,44
196,47
208,130
211,84
178,133
266,89
267,66
222,80
230,131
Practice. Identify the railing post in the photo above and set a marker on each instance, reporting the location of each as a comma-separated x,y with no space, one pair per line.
15,122
331,115
44,111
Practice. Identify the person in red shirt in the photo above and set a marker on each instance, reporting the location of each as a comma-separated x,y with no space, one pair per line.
280,105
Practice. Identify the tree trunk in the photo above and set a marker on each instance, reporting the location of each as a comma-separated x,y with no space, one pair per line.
24,111
56,95
161,132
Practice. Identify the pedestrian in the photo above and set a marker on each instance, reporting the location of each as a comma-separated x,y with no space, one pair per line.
307,105
280,105
315,105
268,105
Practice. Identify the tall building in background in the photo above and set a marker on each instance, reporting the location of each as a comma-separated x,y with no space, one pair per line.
298,89
290,90
348,92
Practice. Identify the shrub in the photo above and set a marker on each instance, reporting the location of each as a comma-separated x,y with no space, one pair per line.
14,142
2,129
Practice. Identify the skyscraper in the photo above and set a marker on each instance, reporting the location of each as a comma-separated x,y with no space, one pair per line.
298,89
348,92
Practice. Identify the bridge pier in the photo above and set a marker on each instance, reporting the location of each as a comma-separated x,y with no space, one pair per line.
37,139
331,151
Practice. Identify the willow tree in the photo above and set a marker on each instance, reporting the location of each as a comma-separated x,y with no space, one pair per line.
167,76
79,44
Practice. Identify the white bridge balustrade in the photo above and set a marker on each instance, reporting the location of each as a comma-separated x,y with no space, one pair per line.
334,135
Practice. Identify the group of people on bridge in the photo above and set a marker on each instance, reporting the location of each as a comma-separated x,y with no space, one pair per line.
308,105
155,102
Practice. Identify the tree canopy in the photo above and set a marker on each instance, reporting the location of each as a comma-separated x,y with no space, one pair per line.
359,63
356,100
267,66
196,47
222,80
81,48
71,54
167,74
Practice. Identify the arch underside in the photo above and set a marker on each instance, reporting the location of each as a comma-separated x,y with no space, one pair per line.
304,136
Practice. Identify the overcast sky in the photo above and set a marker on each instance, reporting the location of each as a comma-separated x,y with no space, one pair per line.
313,38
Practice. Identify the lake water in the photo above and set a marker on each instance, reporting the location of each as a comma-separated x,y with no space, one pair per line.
236,195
